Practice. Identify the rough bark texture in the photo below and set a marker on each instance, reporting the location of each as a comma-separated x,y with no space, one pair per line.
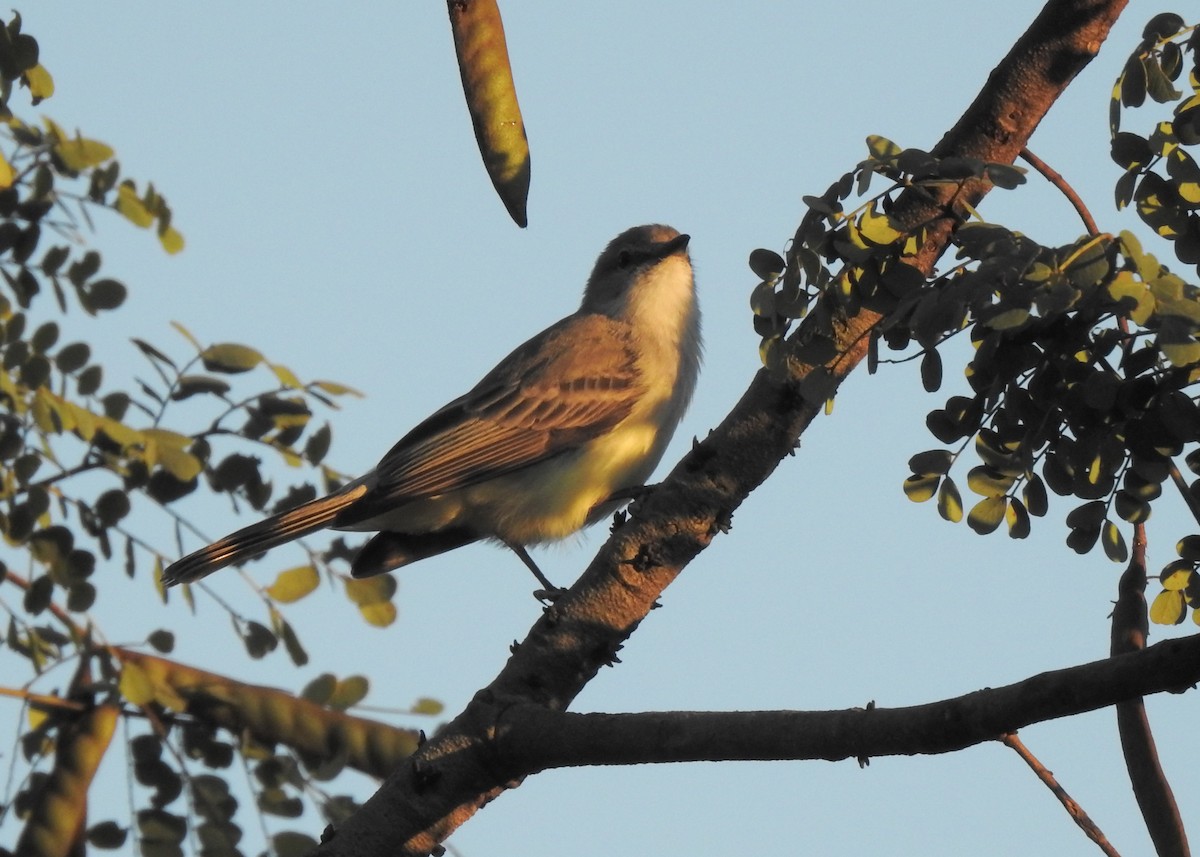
458,770
533,738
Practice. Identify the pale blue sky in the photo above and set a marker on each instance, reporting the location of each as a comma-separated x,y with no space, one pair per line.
321,165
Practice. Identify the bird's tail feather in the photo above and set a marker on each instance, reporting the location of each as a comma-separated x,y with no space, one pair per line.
257,538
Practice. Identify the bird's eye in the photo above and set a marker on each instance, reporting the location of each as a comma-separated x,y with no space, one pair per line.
624,259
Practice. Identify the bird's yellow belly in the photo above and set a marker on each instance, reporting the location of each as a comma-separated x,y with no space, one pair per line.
557,497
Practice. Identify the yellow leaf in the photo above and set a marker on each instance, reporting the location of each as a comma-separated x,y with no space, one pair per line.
1168,608
286,377
83,419
380,614
45,412
294,584
920,487
129,205
1178,580
182,465
230,357
348,692
171,240
40,83
333,388
187,334
167,438
6,173
37,716
1009,319
136,685
950,502
78,153
425,705
119,433
371,590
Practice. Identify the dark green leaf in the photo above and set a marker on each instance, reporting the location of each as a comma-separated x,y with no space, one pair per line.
320,689
259,639
1114,543
766,264
930,462
1158,85
1161,26
1083,540
292,643
931,371
1189,548
72,357
1133,82
317,445
1087,516
107,835
88,381
292,844
1129,150
1018,519
81,597
104,294
162,641
1034,495
191,385
44,337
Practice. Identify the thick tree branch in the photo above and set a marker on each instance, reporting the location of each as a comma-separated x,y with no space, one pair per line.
1156,800
453,775
531,738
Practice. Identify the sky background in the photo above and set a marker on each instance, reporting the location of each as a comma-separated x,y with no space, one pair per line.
321,166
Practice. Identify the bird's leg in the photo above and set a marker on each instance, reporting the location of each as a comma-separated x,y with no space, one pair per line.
550,592
634,492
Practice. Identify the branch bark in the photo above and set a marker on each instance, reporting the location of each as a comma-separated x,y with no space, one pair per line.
1156,800
531,738
456,772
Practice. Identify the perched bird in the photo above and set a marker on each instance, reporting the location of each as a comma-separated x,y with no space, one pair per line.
541,447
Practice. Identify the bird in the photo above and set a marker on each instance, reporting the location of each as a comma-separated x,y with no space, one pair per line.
557,436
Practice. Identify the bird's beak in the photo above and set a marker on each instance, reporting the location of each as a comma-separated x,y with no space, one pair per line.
676,245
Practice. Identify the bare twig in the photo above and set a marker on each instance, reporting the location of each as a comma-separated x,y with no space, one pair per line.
1073,809
1181,484
1055,178
43,701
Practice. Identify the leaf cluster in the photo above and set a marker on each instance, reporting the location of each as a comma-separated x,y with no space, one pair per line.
1161,178
846,226
95,469
1085,355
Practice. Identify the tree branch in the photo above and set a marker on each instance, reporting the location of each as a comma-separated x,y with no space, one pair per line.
453,775
1156,800
526,739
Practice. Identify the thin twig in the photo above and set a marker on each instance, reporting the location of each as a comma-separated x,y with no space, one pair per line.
1056,179
1073,809
1185,492
41,700
54,609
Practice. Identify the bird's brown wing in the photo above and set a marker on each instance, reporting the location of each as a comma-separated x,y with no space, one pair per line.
569,384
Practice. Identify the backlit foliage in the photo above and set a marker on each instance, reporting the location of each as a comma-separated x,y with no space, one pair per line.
1086,356
92,473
